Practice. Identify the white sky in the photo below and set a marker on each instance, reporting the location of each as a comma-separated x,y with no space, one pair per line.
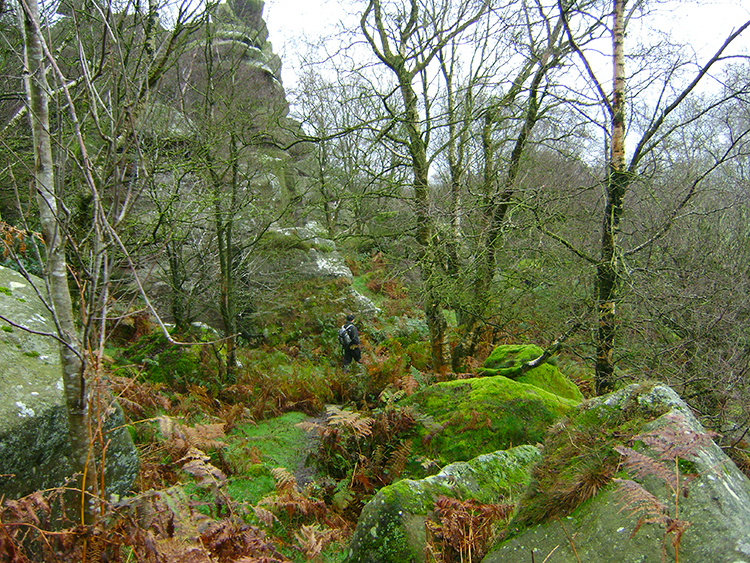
705,23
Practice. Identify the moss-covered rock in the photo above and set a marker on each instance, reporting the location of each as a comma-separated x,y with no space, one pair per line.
466,418
717,506
391,528
507,360
34,445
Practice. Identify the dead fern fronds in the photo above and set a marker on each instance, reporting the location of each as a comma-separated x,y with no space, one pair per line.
196,463
311,426
398,459
312,540
407,384
201,436
465,530
265,516
230,541
670,443
360,425
641,503
642,465
285,481
676,440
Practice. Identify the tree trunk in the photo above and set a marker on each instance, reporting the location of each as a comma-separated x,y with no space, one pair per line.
433,305
607,276
55,269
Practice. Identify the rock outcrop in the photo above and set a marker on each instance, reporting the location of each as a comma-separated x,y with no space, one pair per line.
391,528
716,504
508,360
303,253
34,447
468,417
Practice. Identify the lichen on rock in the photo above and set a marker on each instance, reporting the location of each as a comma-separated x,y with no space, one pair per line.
34,445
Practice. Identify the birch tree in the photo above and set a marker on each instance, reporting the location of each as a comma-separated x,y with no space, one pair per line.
53,232
621,172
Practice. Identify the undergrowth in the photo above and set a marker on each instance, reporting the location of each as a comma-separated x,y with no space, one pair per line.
580,460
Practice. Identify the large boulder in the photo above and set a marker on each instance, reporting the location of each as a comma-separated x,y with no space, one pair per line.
601,529
34,446
289,255
391,528
469,417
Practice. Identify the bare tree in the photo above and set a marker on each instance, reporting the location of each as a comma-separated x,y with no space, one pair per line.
621,172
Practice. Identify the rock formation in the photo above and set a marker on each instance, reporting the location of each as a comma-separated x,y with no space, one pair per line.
716,504
34,448
391,528
574,509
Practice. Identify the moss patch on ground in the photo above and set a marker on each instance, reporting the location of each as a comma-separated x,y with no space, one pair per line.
277,442
254,449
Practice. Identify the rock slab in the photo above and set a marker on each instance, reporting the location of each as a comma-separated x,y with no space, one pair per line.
34,447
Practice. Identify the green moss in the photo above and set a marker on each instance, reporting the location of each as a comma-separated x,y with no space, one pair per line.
31,354
277,241
507,359
253,486
466,418
5,290
391,528
549,378
279,442
7,328
166,363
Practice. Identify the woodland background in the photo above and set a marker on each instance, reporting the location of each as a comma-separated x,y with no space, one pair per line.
485,177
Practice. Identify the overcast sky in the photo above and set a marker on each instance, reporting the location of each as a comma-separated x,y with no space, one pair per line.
290,22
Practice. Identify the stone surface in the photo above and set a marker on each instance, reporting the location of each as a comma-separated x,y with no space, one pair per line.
391,528
717,506
34,446
301,253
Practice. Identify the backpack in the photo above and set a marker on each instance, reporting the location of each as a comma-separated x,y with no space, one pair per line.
345,339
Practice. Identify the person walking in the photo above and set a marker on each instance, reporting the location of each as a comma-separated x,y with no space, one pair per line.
349,339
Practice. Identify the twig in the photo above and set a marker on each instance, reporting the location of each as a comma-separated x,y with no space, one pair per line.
570,540
548,555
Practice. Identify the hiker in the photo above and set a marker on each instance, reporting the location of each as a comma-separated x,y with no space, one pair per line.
349,339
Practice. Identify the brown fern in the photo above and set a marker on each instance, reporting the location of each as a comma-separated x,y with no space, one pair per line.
641,503
288,500
641,465
360,425
201,436
285,481
465,529
196,463
677,440
398,459
670,444
312,540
